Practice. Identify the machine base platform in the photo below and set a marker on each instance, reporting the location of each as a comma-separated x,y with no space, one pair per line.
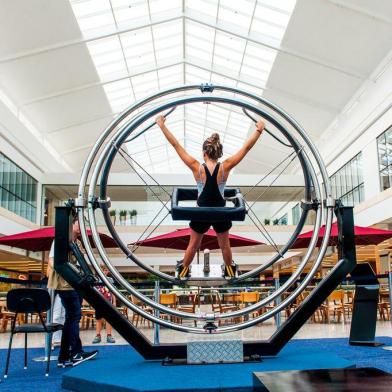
209,279
121,369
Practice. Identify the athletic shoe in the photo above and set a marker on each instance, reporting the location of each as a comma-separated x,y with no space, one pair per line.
230,271
182,272
110,339
83,356
97,339
65,363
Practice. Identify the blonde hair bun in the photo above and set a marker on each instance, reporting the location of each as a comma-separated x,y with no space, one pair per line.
213,147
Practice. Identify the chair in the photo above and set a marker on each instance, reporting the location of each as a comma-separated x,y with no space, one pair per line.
171,301
190,308
219,307
349,302
335,305
136,317
88,314
27,301
384,305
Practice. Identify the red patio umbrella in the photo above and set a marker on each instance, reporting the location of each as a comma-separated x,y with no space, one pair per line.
179,239
41,239
363,236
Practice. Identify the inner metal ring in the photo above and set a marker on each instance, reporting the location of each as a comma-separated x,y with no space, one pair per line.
111,151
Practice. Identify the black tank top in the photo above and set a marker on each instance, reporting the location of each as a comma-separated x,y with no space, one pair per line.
210,195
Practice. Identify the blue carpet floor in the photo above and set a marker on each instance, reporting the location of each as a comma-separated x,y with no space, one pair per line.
33,379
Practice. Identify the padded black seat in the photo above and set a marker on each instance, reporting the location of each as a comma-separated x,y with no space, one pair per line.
207,214
25,301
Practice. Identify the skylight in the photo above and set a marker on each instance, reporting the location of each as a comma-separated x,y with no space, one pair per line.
140,47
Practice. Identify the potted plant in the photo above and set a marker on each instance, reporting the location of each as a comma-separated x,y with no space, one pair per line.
133,216
112,214
123,216
276,222
267,221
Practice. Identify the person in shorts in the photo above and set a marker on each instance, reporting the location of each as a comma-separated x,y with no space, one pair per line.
99,317
211,177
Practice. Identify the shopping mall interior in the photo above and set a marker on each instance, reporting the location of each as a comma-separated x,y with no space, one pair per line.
192,183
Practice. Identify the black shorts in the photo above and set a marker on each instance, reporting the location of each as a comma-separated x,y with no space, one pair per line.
98,315
202,227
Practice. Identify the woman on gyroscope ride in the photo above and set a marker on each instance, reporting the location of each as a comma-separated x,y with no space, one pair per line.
211,177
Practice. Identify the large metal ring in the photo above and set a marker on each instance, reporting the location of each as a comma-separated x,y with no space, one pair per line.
126,131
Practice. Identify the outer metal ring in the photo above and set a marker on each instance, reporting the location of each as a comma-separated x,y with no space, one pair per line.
226,329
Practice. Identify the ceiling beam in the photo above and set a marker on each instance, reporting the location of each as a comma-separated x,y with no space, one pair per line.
260,40
107,116
199,64
98,84
249,82
201,19
85,40
362,10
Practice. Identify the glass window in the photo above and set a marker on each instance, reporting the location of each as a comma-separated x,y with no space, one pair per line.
384,147
18,190
295,214
347,182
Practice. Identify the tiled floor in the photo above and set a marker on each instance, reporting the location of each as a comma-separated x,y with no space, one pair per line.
308,331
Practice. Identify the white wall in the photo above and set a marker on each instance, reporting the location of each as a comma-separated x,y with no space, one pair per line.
11,223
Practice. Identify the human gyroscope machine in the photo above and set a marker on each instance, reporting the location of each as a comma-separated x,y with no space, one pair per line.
93,196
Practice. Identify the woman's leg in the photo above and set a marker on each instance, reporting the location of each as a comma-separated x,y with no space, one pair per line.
193,246
224,244
108,328
98,326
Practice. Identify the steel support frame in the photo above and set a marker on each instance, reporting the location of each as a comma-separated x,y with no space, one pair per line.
83,282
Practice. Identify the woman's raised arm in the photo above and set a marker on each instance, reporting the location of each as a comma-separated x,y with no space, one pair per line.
235,159
191,162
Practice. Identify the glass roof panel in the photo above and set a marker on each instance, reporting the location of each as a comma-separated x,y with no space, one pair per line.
126,11
219,79
282,5
158,6
267,29
159,53
274,16
240,15
208,7
93,14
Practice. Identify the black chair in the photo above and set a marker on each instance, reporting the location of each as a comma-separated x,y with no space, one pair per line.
27,301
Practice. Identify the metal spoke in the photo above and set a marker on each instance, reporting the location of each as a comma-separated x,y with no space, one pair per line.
145,182
145,171
281,172
266,235
271,171
133,250
145,230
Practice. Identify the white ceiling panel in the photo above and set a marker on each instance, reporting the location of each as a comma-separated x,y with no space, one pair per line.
77,136
313,118
32,77
69,109
312,81
381,9
28,25
343,37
